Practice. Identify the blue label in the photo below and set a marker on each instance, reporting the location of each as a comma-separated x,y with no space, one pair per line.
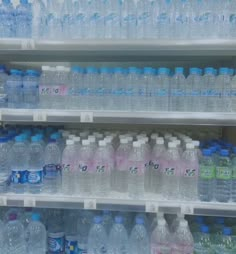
71,247
18,177
35,177
51,171
56,244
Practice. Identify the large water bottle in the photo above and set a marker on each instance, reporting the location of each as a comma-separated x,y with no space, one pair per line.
128,19
162,89
139,240
14,89
178,91
19,165
36,163
136,168
203,242
37,236
102,165
210,90
170,174
223,177
182,239
206,176
97,239
118,238
150,83
52,168
31,89
160,239
112,19
68,168
105,90
7,16
5,160
24,19
3,91
15,236
38,19
189,174
45,88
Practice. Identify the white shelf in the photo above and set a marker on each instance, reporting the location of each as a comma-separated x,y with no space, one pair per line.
151,204
117,117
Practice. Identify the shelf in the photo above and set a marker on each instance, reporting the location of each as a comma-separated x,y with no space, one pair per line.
114,50
116,117
149,204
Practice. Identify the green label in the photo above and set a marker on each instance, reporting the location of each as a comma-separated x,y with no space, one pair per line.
223,173
207,173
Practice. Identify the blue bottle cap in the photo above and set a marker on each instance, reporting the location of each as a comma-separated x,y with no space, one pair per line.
148,70
194,71
35,217
223,71
199,219
164,71
3,139
119,220
179,70
35,139
97,219
105,70
132,70
206,152
139,220
205,229
220,220
227,231
224,152
91,70
19,139
213,149
77,69
118,70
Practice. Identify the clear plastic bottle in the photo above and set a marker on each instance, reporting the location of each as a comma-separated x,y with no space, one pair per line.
107,220
233,190
160,239
38,19
97,239
37,236
136,168
5,159
68,168
2,238
223,177
3,91
139,240
7,16
14,89
45,88
52,168
203,244
19,165
36,163
31,89
15,236
226,245
118,241
67,18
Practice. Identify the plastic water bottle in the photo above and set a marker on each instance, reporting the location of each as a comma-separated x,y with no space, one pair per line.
97,239
31,89
52,168
178,91
68,168
150,83
182,239
226,243
44,88
210,90
139,240
136,168
107,220
36,163
128,19
189,174
15,236
37,236
160,239
118,238
2,237
7,16
102,165
207,175
203,242
19,165
24,19
223,177
3,92
118,89
170,174
14,89
38,19
121,166
5,160
162,88
233,161
67,18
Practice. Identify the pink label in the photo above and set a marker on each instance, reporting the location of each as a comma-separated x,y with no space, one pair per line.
85,167
59,90
160,249
121,163
102,168
44,90
136,168
156,165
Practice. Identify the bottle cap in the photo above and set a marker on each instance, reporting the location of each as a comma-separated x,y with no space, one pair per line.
196,143
160,141
136,144
139,220
124,141
35,217
119,220
69,142
97,219
206,152
172,145
76,139
102,143
189,146
227,231
224,152
92,139
85,142
205,229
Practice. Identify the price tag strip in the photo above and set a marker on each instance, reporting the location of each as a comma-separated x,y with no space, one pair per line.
86,117
90,204
29,202
151,207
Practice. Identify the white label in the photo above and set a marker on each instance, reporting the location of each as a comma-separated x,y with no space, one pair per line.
3,201
151,207
29,202
90,204
187,209
27,44
86,117
40,117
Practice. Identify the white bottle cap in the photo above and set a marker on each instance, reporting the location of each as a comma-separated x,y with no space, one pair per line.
141,141
60,68
71,136
168,135
124,141
154,136
136,144
67,69
69,142
45,68
92,139
177,142
172,145
140,136
173,138
122,136
102,143
159,141
52,69
196,143
85,142
189,145
130,139
76,139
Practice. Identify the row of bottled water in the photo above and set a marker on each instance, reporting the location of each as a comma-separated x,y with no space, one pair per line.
119,19
131,89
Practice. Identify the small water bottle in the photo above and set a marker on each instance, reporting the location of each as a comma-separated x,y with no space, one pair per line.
5,160
37,236
203,243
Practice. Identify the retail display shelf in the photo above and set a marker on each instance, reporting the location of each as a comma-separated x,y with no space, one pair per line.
117,117
150,204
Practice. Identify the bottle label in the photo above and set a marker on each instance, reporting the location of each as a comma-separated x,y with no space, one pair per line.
169,171
19,177
66,167
71,247
121,163
35,177
51,171
137,169
190,172
44,90
56,243
101,169
156,165
160,249
207,173
223,173
83,168
59,90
